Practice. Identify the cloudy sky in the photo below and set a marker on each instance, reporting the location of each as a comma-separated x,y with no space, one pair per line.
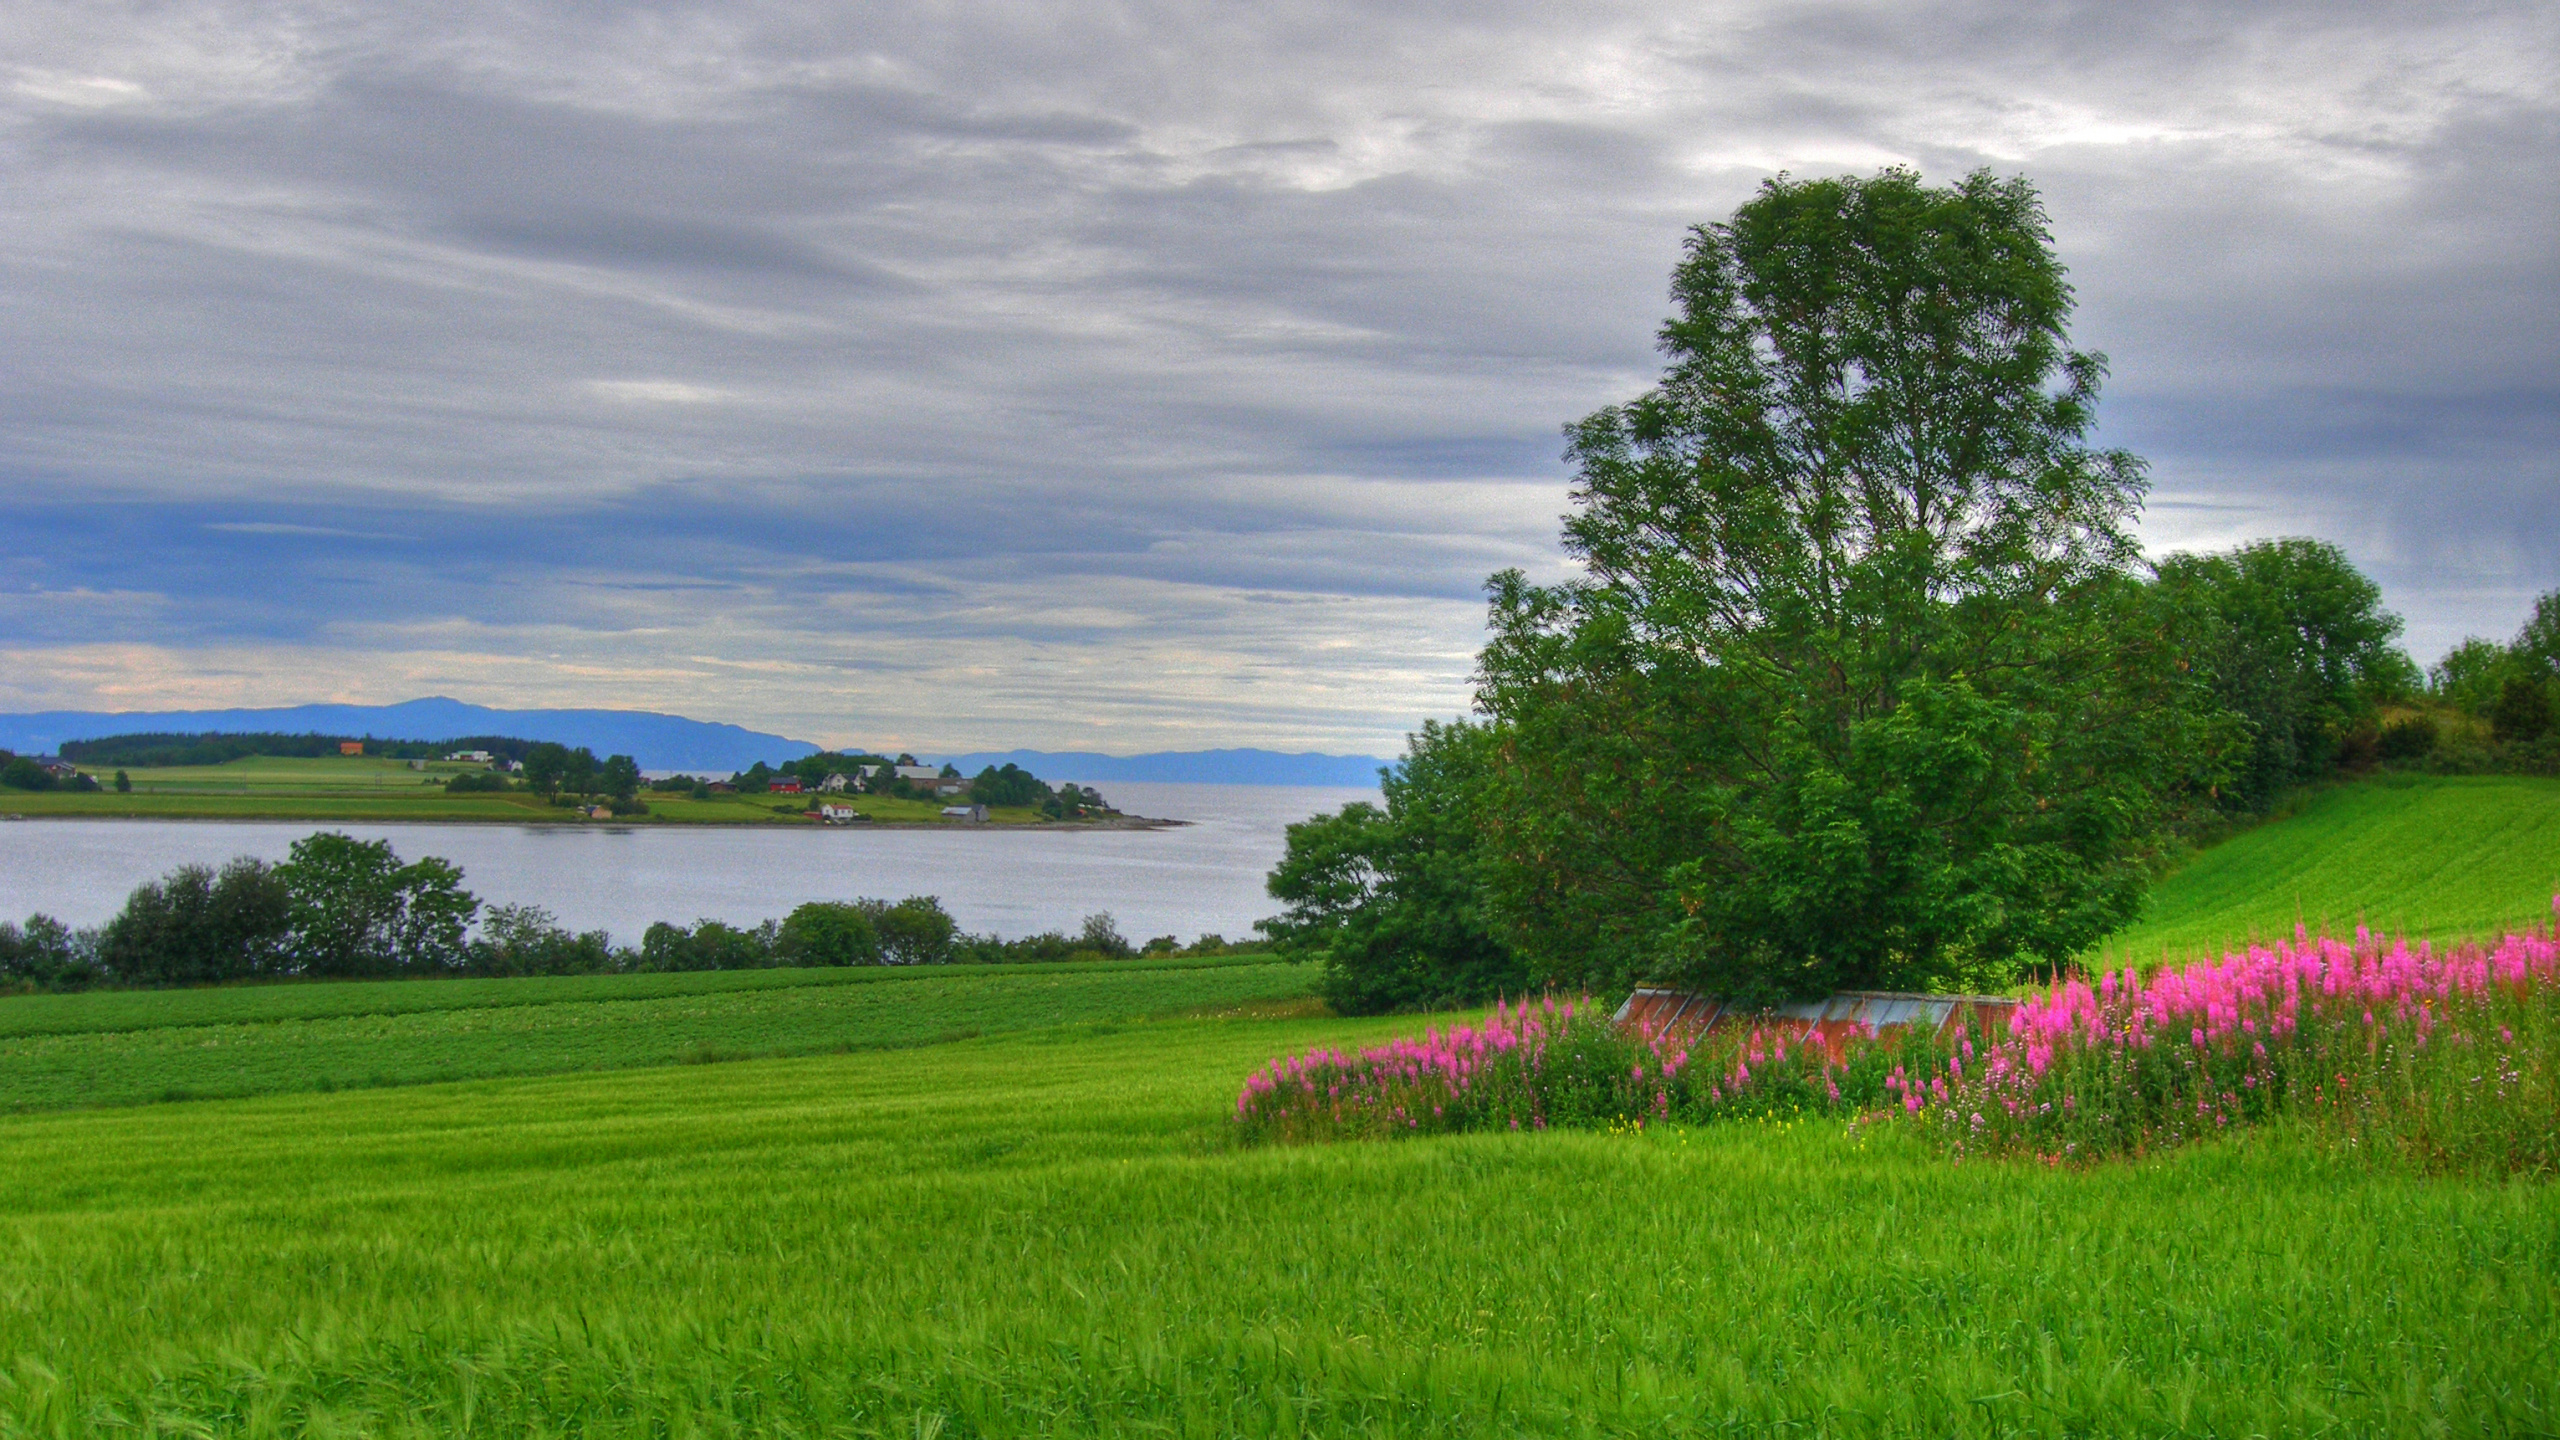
1134,376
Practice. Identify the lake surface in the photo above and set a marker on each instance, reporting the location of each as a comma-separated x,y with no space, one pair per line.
1202,878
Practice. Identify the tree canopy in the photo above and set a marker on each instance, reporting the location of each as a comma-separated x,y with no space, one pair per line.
1860,685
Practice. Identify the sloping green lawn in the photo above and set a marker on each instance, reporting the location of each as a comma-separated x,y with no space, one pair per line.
2434,856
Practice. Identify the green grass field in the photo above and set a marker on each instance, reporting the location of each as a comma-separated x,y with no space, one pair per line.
370,788
121,1048
1048,1233
2438,856
1048,1229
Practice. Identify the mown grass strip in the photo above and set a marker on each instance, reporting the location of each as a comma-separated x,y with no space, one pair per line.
635,1024
111,1010
2439,856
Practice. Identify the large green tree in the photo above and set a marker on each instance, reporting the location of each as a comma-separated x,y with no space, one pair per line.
356,910
1859,686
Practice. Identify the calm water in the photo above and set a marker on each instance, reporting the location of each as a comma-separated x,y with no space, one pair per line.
1202,878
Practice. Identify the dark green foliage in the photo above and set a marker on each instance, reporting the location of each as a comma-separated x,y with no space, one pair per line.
17,772
197,927
1859,689
544,765
709,945
1394,902
2410,737
528,940
47,955
915,931
1075,802
1101,935
1011,785
2470,675
124,783
356,910
2296,645
478,782
157,749
620,778
825,933
2523,713
2537,645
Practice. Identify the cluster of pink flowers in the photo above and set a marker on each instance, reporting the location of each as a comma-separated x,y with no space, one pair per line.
2450,1052
1448,1079
2135,1060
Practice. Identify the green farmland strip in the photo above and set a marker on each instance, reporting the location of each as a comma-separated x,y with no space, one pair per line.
641,1024
2435,856
1046,1234
102,1010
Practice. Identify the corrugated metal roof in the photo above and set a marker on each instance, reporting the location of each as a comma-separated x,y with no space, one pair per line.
1834,1017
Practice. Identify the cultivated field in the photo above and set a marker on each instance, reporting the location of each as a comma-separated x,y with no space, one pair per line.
120,1048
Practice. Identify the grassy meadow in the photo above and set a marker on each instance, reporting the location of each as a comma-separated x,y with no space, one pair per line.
1050,1233
1011,1201
2444,856
352,787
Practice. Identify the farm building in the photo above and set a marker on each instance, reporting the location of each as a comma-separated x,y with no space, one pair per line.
834,813
350,747
974,814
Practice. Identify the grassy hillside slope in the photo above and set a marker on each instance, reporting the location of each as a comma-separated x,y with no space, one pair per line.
130,1047
2439,856
1048,1234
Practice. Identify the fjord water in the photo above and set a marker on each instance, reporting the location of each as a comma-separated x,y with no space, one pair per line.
1199,878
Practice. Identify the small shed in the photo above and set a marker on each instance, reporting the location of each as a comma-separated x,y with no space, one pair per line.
350,747
973,814
1833,1018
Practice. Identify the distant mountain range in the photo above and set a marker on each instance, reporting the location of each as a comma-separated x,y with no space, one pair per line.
664,742
658,742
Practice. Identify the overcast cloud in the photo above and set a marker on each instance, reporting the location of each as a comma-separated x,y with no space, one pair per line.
1134,376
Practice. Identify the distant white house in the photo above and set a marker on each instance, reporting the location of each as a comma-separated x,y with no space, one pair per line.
917,772
833,812
476,757
973,814
835,784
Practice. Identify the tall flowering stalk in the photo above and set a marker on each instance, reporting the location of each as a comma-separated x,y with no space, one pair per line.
1561,1062
2447,1055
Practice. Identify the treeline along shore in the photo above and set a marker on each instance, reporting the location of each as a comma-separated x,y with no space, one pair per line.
339,908
508,780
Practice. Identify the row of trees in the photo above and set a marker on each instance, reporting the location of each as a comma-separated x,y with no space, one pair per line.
340,908
163,748
1863,682
1008,785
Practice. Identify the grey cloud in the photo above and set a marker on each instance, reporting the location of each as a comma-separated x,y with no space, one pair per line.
1228,345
